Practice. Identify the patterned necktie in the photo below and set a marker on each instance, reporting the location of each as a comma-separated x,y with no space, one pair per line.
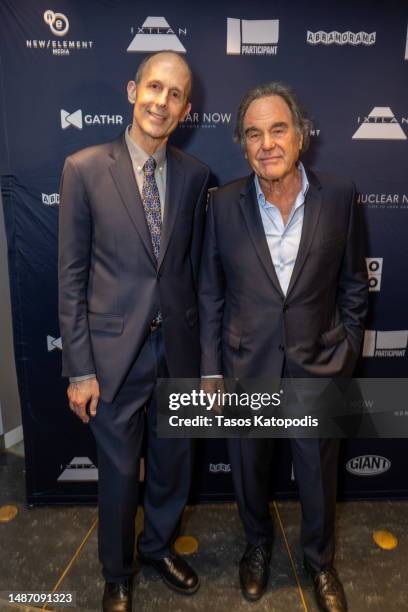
151,204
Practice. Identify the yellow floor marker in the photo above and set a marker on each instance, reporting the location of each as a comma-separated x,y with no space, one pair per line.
7,513
186,545
385,539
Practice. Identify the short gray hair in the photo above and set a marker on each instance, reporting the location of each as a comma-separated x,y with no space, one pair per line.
275,88
146,60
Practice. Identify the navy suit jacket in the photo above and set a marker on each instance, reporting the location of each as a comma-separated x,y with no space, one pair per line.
110,285
247,324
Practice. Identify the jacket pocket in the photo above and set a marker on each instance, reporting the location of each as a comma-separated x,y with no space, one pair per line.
108,323
333,336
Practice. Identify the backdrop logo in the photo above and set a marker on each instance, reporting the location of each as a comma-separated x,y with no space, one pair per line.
50,199
59,25
77,119
156,35
206,120
368,465
340,38
380,124
374,269
252,37
385,343
54,343
79,469
219,467
384,200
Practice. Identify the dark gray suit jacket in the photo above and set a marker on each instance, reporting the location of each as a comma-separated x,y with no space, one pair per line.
247,324
110,285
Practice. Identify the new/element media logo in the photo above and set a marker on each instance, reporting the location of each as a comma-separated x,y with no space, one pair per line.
385,343
77,119
156,35
368,465
340,38
252,37
380,124
374,269
58,25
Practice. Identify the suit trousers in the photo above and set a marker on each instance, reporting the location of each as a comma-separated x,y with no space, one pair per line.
118,428
315,464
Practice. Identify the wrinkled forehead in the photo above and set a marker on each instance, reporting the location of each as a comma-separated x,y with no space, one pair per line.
268,108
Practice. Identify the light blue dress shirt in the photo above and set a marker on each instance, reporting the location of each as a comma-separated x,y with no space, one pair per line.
283,240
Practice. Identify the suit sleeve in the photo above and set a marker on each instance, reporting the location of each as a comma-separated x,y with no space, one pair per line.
198,229
353,281
211,299
74,253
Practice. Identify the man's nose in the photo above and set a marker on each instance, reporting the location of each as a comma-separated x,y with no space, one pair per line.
162,97
268,141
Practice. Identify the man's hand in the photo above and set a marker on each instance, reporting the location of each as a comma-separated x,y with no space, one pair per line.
79,394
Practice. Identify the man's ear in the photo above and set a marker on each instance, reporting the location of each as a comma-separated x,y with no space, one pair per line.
185,113
131,91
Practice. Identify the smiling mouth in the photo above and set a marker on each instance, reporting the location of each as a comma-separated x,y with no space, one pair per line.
157,116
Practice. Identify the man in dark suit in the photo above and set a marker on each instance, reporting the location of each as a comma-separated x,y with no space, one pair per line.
131,225
283,293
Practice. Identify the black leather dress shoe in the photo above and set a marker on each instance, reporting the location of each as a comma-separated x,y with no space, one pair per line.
254,572
175,573
117,597
329,593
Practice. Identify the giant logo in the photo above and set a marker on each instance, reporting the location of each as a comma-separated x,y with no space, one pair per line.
368,465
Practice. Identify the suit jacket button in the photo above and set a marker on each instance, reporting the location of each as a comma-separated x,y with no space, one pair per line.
285,307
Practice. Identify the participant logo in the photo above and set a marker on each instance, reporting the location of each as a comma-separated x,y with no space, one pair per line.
252,37
50,199
340,38
78,120
374,269
80,469
58,25
368,465
380,124
156,35
206,120
219,467
54,343
385,343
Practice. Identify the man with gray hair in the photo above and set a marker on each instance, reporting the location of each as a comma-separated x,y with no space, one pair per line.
283,293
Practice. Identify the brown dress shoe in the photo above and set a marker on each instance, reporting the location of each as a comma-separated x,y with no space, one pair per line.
117,597
254,572
329,592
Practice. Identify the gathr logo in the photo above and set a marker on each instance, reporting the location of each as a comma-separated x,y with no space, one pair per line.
156,35
374,269
79,469
77,119
252,36
54,343
385,343
219,467
50,199
368,465
340,38
74,119
380,124
58,23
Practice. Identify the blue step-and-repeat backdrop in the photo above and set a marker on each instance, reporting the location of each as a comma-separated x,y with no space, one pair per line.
64,69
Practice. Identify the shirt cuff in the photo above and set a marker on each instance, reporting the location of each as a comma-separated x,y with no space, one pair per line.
79,378
213,376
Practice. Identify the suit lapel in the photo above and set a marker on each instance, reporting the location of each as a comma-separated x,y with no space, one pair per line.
174,192
313,203
124,179
250,209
